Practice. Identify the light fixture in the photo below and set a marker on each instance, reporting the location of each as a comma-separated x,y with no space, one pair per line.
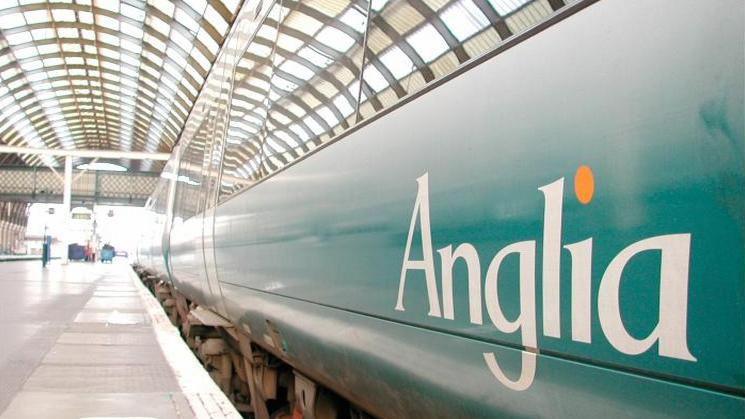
102,166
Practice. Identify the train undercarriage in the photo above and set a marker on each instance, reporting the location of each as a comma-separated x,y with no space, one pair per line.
259,384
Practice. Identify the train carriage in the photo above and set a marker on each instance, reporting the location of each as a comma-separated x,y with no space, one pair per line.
468,208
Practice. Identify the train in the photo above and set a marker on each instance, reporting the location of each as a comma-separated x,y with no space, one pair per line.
465,209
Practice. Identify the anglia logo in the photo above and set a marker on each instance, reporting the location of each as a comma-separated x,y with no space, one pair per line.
670,332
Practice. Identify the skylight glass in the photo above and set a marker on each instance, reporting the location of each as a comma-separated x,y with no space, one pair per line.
397,62
63,15
335,38
284,84
165,6
315,57
378,5
8,4
197,5
427,42
11,20
36,16
215,19
354,90
185,19
313,125
464,19
297,70
328,116
342,104
133,12
373,78
355,19
19,38
505,7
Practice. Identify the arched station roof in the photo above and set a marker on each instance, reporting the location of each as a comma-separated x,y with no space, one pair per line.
104,74
137,75
296,75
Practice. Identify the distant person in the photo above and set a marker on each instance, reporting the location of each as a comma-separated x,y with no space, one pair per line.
46,251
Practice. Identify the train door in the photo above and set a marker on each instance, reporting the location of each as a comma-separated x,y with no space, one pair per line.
171,170
219,115
209,174
184,242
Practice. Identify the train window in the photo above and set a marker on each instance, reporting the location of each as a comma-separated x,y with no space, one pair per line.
189,177
296,74
293,87
413,42
161,197
212,132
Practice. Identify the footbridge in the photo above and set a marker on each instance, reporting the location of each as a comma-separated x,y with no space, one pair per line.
21,186
45,185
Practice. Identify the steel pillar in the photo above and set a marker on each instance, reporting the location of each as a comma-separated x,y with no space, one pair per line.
16,239
66,207
4,237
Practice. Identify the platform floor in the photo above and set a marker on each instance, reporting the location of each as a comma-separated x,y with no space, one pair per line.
88,340
15,258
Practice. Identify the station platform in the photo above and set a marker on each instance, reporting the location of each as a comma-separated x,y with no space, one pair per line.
16,258
88,340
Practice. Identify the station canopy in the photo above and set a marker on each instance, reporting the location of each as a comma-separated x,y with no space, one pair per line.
126,74
104,74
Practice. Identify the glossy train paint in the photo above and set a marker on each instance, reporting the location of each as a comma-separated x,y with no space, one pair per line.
555,232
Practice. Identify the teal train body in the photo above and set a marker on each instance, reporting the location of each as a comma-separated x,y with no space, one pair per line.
553,230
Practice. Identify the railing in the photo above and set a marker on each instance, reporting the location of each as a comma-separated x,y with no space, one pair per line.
35,184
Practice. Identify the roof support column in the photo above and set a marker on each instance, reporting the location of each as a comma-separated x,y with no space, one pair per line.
17,238
3,237
66,207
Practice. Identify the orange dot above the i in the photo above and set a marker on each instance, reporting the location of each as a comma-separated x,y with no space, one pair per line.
584,184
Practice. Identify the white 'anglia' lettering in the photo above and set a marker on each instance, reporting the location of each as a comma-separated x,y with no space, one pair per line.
554,199
427,264
468,253
581,253
525,321
671,329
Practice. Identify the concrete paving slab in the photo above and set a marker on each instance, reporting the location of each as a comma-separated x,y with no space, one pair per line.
102,379
115,294
105,338
35,307
115,303
101,355
89,341
32,404
110,317
116,288
83,327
